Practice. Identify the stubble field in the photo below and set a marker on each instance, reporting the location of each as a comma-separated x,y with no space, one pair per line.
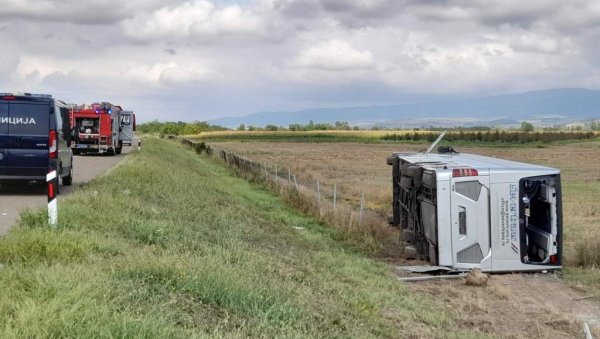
357,168
511,305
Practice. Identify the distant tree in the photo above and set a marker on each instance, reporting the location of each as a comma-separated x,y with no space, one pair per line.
295,127
271,128
356,128
241,127
150,127
177,128
342,125
171,128
189,129
526,127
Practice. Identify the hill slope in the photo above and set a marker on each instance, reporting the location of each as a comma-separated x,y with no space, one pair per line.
547,106
171,245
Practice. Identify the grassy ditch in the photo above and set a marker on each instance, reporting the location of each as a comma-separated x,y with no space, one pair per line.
358,168
169,244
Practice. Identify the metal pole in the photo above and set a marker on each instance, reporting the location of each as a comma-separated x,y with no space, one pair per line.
436,142
586,330
295,182
318,192
276,174
266,174
362,208
334,195
289,176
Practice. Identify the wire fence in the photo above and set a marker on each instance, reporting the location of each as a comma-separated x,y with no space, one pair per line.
328,203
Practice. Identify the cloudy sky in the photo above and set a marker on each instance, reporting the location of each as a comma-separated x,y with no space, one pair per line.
201,59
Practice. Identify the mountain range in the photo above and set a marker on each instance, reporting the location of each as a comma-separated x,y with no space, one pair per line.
544,107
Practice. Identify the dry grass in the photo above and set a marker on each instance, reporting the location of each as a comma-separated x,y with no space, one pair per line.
511,306
355,168
366,231
361,168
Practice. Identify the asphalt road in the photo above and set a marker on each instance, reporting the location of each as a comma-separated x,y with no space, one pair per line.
14,198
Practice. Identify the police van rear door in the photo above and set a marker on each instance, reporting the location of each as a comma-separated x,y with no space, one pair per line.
3,136
28,128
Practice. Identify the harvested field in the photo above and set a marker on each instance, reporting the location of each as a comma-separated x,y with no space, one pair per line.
361,168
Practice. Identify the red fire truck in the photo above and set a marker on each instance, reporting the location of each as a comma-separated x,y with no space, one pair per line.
95,128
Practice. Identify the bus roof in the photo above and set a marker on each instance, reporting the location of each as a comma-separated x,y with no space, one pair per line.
457,160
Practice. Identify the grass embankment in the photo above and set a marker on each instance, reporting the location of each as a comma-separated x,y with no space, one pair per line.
358,168
173,245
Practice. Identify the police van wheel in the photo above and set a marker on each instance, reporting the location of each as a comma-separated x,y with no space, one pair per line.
68,180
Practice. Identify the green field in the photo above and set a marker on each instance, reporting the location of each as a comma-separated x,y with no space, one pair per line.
494,138
169,244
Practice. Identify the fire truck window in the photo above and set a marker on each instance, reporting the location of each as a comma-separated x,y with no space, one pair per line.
125,120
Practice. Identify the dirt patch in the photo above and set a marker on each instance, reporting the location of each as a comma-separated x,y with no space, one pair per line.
517,306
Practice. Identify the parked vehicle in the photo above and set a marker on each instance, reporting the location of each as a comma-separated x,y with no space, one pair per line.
467,211
35,138
128,126
96,128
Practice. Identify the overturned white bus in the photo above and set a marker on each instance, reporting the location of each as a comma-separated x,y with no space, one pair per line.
466,211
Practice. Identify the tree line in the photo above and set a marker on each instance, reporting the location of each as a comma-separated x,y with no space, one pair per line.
491,136
482,133
177,127
311,126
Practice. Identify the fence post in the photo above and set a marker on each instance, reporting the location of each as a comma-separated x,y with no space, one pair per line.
362,209
52,181
289,176
318,192
266,173
334,196
295,182
276,175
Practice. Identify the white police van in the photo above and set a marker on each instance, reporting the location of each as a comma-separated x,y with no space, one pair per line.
35,138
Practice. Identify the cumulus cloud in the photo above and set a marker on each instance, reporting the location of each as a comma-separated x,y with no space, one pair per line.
74,11
198,18
334,55
536,43
169,74
272,54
